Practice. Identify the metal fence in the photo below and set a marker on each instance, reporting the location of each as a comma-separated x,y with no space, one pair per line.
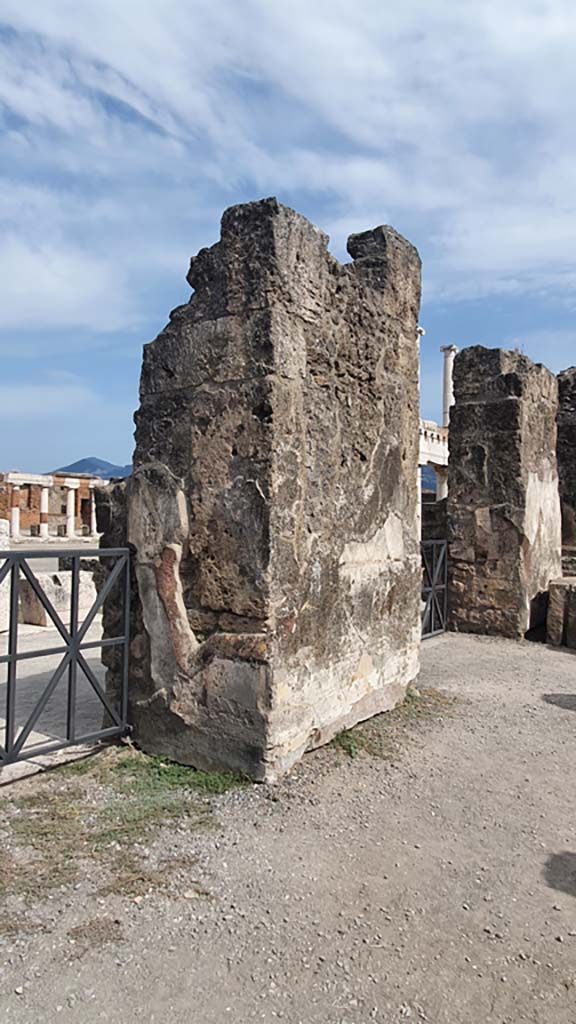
24,695
434,586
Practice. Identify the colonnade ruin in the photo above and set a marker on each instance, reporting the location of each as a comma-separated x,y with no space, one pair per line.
273,513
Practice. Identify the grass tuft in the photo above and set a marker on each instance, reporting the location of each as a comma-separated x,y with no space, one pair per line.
383,735
98,813
156,774
348,742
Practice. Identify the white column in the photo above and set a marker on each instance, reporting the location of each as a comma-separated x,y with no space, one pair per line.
419,512
447,384
44,511
71,512
420,332
441,482
93,524
15,513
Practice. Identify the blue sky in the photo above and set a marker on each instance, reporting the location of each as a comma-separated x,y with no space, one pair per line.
128,127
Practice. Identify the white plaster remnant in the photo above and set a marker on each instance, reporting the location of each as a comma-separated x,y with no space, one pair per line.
361,561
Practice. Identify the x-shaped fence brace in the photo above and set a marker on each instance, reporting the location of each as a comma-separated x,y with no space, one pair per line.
75,643
434,563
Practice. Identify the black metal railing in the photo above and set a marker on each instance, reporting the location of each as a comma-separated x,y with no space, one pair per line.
21,738
434,586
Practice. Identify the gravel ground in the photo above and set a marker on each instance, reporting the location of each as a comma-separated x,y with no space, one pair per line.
439,885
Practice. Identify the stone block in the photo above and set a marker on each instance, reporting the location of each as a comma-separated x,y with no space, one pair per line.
58,590
503,501
273,507
561,620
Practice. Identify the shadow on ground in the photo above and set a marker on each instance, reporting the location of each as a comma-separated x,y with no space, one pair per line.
560,872
569,651
567,701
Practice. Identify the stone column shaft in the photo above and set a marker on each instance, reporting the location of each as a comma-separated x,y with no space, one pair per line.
441,482
15,512
44,496
447,382
93,523
71,512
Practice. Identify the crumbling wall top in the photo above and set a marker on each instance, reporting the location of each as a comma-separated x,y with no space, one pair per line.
484,374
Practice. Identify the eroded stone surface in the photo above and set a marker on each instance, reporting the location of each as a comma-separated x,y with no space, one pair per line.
561,619
503,501
273,507
567,453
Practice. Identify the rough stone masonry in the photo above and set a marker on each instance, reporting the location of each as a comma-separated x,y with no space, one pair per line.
567,453
503,501
273,506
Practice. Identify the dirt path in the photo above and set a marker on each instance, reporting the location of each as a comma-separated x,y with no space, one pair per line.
439,885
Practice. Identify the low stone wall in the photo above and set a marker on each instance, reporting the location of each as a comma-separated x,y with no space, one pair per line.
58,590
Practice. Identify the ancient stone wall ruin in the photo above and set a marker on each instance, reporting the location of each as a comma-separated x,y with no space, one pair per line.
567,453
273,507
503,502
561,619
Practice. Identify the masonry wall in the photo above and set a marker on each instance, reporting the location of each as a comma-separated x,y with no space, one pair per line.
567,453
434,524
503,500
29,507
273,507
29,504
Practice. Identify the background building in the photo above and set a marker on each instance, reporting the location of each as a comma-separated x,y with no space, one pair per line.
54,505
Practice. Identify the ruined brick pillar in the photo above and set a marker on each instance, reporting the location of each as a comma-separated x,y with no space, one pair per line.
567,453
273,507
503,501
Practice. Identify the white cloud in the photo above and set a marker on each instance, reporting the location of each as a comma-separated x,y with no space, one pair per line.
49,284
58,421
453,122
556,348
41,402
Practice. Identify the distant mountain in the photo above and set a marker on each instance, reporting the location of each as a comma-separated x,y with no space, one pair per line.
428,479
95,467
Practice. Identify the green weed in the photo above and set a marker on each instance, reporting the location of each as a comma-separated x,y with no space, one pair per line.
383,735
98,812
